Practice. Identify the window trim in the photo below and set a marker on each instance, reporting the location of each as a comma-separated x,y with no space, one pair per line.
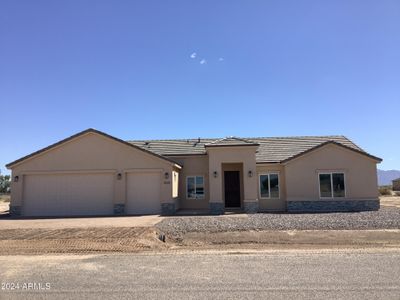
195,185
175,184
332,193
269,185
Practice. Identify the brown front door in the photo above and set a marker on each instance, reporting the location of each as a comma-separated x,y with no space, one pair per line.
232,188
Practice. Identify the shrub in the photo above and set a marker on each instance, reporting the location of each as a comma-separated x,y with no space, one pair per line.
385,191
5,183
397,193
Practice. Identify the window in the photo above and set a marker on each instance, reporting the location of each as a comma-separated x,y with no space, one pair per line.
331,185
195,187
269,185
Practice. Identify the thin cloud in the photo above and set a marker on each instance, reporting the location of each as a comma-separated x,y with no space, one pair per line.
221,59
203,61
193,55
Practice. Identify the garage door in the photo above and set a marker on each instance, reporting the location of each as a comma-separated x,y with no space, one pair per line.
143,193
68,194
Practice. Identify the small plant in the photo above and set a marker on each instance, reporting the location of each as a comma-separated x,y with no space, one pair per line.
385,191
397,194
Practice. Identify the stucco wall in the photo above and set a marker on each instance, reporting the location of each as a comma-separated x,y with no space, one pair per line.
272,204
223,155
96,153
302,174
193,165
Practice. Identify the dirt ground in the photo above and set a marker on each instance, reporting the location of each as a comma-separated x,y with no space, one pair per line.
390,201
89,222
78,240
76,235
145,239
309,239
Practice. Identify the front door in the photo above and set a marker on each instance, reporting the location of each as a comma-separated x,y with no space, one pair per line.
232,188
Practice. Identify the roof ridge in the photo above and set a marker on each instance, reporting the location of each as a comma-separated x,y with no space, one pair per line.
242,138
296,136
169,140
231,138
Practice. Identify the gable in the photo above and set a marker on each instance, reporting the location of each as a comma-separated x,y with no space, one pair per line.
87,149
331,153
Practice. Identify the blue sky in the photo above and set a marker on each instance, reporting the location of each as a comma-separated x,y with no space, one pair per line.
272,68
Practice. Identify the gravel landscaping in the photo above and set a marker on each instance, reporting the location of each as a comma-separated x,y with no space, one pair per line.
385,218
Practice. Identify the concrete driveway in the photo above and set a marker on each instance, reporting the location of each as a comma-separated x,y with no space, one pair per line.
92,222
6,222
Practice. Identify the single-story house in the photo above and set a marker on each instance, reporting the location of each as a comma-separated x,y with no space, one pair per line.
396,184
93,173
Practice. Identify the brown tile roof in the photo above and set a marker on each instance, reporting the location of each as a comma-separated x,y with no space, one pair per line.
270,150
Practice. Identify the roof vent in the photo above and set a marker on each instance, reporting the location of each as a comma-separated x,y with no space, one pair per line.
195,144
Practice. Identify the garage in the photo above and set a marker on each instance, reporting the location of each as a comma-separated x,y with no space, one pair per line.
91,173
143,193
68,194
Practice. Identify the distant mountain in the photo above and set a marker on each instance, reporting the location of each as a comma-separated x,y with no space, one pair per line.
386,177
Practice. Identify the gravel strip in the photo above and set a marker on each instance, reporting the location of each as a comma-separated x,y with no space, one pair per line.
385,218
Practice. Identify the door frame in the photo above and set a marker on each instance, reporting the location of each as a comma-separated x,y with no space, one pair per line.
240,190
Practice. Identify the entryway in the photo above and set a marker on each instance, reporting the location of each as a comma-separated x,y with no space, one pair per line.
232,189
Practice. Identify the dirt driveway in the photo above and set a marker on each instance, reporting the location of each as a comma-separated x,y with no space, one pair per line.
139,233
90,222
78,240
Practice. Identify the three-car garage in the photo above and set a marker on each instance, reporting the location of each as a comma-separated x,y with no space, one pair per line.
91,173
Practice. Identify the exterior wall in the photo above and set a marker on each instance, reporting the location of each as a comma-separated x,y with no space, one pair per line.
272,204
95,153
302,175
299,185
225,155
193,165
396,185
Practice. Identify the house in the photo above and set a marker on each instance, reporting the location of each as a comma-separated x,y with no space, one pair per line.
93,173
396,184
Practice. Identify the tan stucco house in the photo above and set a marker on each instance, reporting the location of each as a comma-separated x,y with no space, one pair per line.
93,173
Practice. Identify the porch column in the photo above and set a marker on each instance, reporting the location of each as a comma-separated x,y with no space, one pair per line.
216,204
250,202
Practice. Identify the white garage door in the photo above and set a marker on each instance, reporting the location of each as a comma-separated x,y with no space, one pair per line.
143,193
68,194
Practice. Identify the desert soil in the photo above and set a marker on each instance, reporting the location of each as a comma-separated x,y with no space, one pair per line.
65,240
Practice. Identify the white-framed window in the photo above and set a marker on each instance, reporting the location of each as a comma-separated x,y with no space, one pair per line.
331,185
195,187
269,185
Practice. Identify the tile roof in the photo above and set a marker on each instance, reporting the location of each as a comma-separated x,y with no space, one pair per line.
231,141
270,150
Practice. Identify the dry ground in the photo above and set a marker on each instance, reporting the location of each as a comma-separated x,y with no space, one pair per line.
4,204
73,235
5,198
75,222
78,240
390,201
